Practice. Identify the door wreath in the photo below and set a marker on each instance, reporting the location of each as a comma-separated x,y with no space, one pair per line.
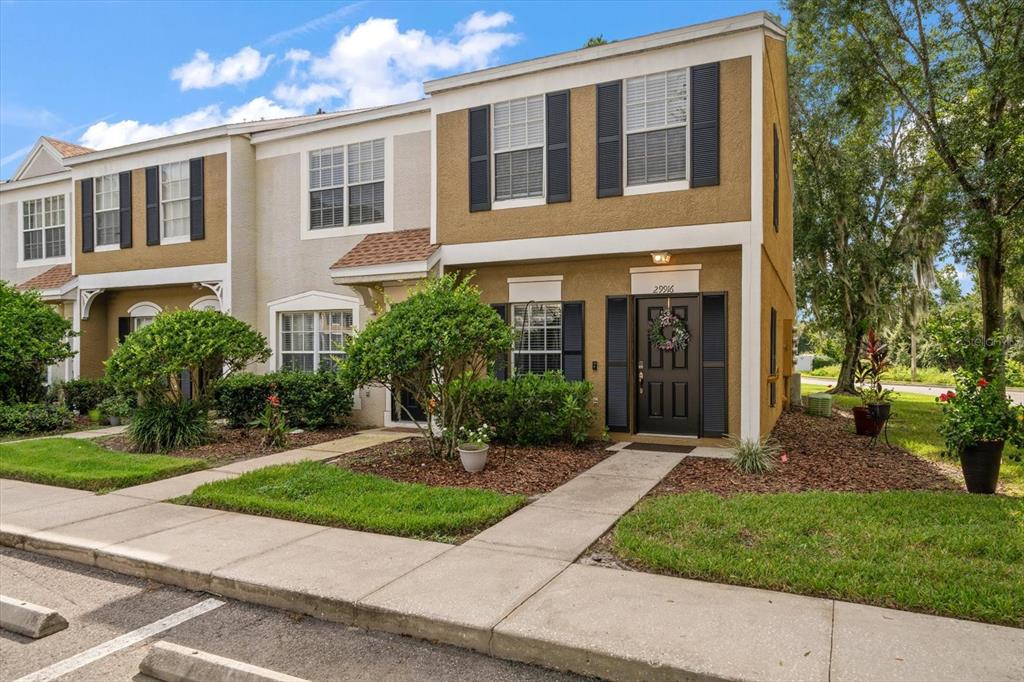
669,332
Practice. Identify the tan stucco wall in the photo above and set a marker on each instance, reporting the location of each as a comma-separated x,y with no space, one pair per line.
212,249
99,332
777,286
727,202
593,280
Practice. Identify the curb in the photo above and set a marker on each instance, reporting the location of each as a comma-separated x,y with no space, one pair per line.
173,663
28,619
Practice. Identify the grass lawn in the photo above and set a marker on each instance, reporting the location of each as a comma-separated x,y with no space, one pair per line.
946,553
74,463
914,426
334,496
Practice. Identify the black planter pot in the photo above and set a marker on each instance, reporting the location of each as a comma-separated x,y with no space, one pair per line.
880,411
980,463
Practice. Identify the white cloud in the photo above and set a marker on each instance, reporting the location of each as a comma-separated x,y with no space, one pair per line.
104,135
313,24
482,21
245,65
298,56
376,63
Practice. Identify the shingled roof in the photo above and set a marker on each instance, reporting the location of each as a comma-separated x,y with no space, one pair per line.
402,246
67,149
55,277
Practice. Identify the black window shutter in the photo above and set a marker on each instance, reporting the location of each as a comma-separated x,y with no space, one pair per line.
775,177
480,159
152,205
87,217
558,167
572,340
501,361
616,364
704,123
197,222
124,328
714,387
125,208
609,139
773,347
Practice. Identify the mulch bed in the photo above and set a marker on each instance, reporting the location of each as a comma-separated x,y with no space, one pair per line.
824,454
236,444
511,470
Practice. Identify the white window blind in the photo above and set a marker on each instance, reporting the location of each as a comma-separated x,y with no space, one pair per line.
43,223
311,340
106,210
538,341
174,199
518,132
656,117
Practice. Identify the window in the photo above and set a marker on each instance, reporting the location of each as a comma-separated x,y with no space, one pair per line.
519,148
538,344
107,210
312,340
43,224
326,188
366,182
656,127
174,199
142,314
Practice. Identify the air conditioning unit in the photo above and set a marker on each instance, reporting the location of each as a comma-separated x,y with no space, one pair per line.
819,404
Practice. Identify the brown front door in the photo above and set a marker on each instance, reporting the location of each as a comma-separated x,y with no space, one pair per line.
668,381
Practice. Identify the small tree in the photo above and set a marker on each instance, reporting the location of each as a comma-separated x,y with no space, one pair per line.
425,345
152,359
34,336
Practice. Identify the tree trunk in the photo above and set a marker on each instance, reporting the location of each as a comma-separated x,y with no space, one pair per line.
990,287
851,354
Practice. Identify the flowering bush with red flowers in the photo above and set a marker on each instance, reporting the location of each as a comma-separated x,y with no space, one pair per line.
978,411
275,431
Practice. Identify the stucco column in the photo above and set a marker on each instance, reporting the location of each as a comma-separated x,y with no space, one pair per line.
750,343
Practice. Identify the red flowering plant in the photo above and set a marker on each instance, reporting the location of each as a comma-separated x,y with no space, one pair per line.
275,431
978,411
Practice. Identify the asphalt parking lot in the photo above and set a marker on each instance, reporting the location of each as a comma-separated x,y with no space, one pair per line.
101,606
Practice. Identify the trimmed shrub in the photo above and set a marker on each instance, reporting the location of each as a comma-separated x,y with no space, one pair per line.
164,425
25,418
534,409
82,395
309,400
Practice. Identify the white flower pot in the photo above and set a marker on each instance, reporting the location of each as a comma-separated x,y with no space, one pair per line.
473,456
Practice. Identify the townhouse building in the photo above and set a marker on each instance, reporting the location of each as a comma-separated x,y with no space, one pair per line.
590,193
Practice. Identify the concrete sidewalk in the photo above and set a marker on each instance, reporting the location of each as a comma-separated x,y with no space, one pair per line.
1015,394
513,591
80,435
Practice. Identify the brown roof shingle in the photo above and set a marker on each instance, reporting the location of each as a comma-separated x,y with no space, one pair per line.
388,247
67,149
57,276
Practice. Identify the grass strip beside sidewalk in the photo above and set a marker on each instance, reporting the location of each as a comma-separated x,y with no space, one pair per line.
950,554
329,495
82,464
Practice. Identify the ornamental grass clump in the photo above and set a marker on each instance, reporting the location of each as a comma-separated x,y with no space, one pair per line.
754,456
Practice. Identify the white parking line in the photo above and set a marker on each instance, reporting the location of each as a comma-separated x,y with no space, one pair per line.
118,643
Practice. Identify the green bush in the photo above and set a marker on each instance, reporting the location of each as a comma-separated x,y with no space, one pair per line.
534,409
820,361
164,425
24,418
35,336
82,395
310,400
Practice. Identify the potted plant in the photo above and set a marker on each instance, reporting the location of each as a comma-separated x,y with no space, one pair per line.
473,447
978,419
876,400
115,408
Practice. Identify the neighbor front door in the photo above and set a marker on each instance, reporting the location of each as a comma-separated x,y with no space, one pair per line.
667,381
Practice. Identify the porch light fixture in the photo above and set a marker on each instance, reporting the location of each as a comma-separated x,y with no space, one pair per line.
661,257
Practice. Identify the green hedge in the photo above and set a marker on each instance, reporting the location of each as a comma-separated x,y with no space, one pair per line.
25,418
82,395
310,400
534,409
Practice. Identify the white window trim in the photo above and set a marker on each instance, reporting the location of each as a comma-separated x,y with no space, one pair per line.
666,185
545,288
388,224
68,246
96,246
198,303
520,202
181,238
310,301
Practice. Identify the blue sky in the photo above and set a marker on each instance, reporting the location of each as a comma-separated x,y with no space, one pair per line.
109,73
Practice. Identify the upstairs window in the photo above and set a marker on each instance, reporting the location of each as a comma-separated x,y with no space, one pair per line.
366,182
107,206
312,340
174,199
518,133
327,188
43,223
538,343
655,117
